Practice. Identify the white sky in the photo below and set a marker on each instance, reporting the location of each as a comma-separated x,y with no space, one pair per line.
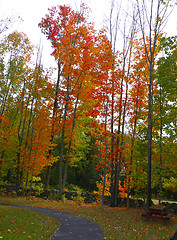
33,10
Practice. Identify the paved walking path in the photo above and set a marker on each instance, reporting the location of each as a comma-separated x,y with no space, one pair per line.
72,227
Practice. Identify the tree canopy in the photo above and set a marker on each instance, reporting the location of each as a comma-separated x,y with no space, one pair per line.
91,122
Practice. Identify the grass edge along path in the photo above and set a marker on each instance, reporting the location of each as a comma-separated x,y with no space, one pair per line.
18,223
72,226
117,223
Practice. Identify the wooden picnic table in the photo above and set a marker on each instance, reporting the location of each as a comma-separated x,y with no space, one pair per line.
157,211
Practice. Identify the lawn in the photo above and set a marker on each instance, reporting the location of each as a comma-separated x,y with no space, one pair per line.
117,223
23,224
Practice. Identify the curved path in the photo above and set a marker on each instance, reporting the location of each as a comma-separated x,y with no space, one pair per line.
72,227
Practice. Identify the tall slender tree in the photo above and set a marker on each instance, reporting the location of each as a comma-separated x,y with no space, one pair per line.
152,15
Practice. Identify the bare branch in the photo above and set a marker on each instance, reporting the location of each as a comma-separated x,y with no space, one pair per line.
7,22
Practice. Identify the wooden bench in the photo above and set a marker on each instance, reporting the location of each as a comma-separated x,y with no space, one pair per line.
157,212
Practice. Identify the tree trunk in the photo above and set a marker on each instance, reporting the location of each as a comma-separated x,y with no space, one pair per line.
53,124
161,135
31,181
149,142
61,190
105,157
69,148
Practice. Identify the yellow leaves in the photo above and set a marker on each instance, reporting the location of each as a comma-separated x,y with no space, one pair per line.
36,179
122,189
107,185
17,42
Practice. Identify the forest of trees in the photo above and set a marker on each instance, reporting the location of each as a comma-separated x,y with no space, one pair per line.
108,120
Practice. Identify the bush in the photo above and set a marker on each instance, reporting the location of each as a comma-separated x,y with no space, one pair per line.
78,199
76,191
3,192
22,192
13,194
63,198
38,187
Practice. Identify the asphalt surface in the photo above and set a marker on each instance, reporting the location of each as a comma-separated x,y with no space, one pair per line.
72,227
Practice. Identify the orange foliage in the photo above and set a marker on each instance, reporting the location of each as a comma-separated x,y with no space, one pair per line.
122,188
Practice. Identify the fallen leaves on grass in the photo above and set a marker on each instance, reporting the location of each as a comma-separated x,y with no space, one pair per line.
22,224
117,223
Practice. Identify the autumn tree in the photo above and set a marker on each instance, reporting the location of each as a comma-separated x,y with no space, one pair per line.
112,25
17,49
137,113
152,16
164,110
23,97
122,63
72,39
104,90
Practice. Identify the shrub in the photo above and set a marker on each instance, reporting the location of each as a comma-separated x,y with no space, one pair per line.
63,198
13,194
78,199
3,192
22,192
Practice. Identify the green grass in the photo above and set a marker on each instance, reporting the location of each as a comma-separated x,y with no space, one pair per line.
117,223
16,223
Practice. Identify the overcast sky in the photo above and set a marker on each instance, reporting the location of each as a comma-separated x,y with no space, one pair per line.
32,11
